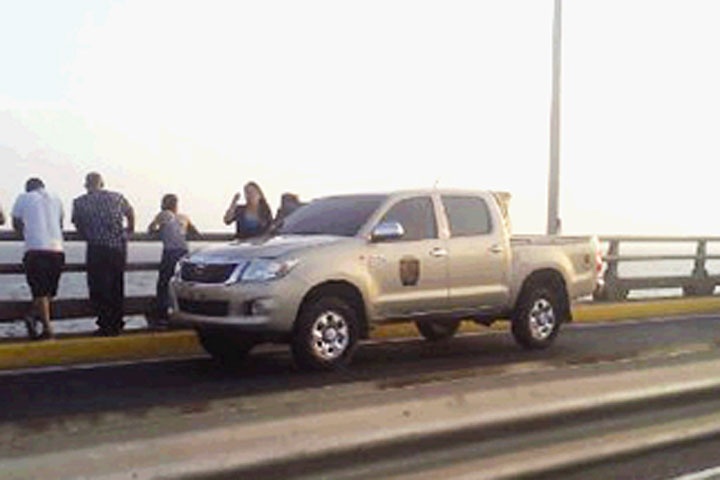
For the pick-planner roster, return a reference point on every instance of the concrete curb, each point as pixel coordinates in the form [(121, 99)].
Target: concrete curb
[(573, 454), (245, 447), (599, 312), (136, 346), (85, 350)]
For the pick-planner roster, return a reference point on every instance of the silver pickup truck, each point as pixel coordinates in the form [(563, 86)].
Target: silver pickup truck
[(343, 264)]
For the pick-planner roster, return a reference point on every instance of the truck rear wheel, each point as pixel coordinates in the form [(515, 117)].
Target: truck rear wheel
[(226, 347), (436, 330), (537, 318), (326, 333)]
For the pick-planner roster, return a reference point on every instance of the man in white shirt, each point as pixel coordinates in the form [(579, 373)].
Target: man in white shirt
[(38, 216)]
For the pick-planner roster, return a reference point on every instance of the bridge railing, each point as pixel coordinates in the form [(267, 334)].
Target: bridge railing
[(697, 282), (74, 308)]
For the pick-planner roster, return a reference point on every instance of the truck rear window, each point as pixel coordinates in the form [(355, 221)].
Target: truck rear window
[(468, 216)]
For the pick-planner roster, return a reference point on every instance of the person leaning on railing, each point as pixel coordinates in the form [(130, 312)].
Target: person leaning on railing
[(99, 219), (289, 202), (38, 215), (172, 228)]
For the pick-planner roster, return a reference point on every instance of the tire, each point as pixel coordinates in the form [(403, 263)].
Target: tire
[(325, 335), (436, 330), (226, 347), (537, 317)]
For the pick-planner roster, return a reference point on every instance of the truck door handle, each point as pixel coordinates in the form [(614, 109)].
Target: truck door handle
[(496, 249), (438, 252)]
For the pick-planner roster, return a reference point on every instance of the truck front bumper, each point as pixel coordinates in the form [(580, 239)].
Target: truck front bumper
[(269, 307)]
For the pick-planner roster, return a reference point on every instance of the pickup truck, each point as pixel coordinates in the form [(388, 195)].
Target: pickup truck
[(343, 264)]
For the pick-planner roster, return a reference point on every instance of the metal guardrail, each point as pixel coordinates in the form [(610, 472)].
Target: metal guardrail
[(73, 308), (698, 282)]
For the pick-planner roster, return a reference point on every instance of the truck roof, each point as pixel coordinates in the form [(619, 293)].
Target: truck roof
[(419, 191)]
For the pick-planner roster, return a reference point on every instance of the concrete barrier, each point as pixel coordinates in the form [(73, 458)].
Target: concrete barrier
[(136, 346), (243, 450)]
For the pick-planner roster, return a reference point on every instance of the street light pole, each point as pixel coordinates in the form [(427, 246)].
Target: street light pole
[(553, 221)]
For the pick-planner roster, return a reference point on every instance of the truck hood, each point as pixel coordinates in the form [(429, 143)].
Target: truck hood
[(271, 247)]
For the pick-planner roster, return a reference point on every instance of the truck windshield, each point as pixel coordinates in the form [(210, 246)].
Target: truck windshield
[(342, 216)]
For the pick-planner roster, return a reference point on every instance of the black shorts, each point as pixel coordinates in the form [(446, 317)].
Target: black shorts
[(42, 270)]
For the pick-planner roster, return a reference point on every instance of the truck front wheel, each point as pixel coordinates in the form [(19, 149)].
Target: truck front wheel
[(326, 333), (226, 347), (537, 318)]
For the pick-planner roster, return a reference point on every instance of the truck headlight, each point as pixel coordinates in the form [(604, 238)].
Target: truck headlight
[(263, 269)]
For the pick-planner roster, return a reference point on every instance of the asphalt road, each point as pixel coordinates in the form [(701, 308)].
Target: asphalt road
[(68, 408)]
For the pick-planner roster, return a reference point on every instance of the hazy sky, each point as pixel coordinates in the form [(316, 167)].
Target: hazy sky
[(322, 97)]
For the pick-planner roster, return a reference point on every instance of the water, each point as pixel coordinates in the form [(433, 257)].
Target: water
[(663, 268), (73, 285)]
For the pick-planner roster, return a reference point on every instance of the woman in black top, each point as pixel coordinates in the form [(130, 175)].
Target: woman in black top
[(252, 219)]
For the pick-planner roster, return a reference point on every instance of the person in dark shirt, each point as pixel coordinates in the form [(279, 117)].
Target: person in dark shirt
[(252, 219), (104, 219)]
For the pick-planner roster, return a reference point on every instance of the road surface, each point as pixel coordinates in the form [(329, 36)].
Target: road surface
[(51, 410)]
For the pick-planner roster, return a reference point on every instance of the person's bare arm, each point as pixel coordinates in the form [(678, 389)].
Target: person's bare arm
[(77, 221), (192, 231), (18, 225), (154, 226), (230, 212), (130, 215), (62, 215)]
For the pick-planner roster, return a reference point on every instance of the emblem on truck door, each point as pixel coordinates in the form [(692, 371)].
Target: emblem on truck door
[(409, 271)]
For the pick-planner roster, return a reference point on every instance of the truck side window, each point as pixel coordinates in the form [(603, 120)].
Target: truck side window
[(416, 215), (468, 216)]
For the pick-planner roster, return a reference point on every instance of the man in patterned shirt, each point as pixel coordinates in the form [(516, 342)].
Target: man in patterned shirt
[(104, 219)]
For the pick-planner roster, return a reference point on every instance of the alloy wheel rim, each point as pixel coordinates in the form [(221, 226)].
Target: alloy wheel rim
[(542, 319), (330, 335)]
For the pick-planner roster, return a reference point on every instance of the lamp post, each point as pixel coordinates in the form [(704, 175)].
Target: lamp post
[(553, 221)]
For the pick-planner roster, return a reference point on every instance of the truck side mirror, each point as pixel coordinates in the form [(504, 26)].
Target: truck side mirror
[(387, 231)]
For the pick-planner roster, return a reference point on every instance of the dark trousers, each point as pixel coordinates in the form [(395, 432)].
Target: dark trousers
[(106, 283), (167, 269)]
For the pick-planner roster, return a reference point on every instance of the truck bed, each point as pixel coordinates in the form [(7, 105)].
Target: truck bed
[(547, 239), (575, 256)]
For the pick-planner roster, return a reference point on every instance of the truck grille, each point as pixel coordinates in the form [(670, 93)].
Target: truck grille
[(211, 308), (207, 272)]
